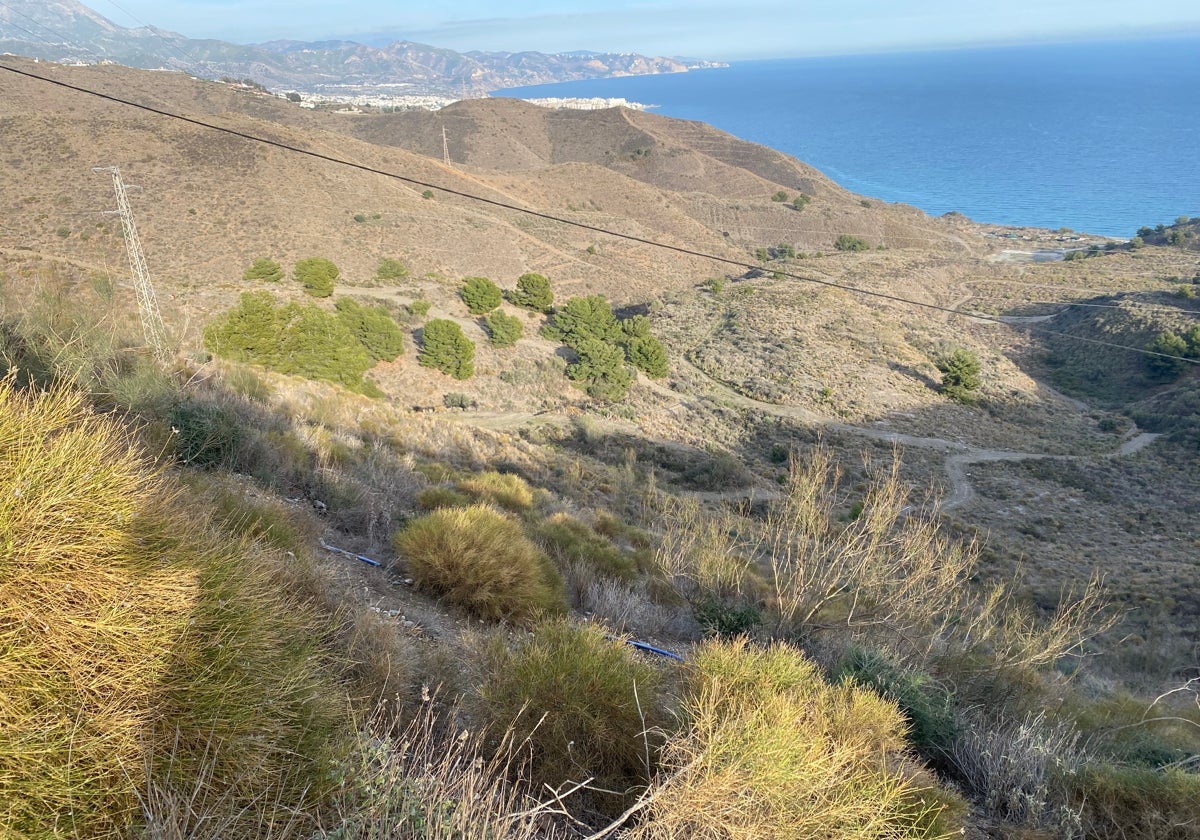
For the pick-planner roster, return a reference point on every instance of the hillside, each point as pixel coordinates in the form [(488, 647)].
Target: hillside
[(989, 588)]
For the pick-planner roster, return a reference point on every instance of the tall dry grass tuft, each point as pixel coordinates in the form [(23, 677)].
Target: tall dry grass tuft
[(434, 781), (88, 621), (135, 638), (770, 750), (481, 561), (510, 492), (580, 703)]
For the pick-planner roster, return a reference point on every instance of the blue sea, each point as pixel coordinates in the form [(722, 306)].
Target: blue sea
[(1102, 137)]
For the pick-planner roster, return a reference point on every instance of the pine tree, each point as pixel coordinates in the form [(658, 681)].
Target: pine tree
[(445, 348)]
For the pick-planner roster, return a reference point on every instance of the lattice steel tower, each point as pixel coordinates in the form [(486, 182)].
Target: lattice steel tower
[(152, 322)]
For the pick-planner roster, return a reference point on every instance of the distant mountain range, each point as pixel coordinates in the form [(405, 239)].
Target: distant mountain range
[(65, 30)]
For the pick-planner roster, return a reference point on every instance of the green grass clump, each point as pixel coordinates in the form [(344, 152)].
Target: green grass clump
[(571, 692), (927, 706), (479, 560), (1138, 802), (770, 750), (142, 650), (206, 435), (568, 541), (505, 490), (441, 496)]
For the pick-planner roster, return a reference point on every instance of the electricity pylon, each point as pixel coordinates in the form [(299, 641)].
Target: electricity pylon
[(152, 322)]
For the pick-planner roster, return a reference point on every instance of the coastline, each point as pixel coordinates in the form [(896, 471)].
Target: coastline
[(1044, 136)]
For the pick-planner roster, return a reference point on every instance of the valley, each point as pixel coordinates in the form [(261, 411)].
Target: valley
[(806, 413)]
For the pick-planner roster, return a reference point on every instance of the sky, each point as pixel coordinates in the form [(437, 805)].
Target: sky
[(729, 30)]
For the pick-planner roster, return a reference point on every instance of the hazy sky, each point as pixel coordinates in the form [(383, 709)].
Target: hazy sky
[(734, 29)]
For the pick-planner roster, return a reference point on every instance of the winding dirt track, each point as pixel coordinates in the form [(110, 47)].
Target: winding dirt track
[(958, 455)]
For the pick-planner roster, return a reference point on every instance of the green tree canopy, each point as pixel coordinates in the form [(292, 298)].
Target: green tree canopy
[(318, 345), (302, 340), (648, 355), (391, 269), (1175, 350), (480, 295), (532, 292), (601, 370), (317, 275), (250, 332), (636, 326), (960, 373), (445, 348), (373, 327), (584, 320), (504, 330), (264, 268)]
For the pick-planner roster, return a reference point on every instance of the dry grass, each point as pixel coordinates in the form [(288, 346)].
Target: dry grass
[(505, 490), (769, 750), (89, 622), (434, 781), (479, 560), (129, 632), (1021, 771), (580, 703)]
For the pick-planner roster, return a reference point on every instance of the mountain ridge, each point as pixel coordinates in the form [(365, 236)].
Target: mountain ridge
[(69, 31)]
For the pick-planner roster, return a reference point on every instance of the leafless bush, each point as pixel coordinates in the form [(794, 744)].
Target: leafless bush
[(1020, 770), (628, 608)]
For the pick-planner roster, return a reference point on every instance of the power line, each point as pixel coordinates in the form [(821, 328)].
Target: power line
[(576, 224), (188, 60), (38, 38)]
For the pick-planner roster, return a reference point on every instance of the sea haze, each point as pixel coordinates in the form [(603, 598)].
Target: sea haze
[(1100, 137)]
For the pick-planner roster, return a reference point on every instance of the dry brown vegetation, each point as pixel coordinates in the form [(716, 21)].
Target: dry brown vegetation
[(772, 488)]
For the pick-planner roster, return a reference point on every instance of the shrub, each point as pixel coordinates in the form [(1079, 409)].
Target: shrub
[(648, 355), (780, 197), (374, 328), (1020, 770), (768, 750), (960, 374), (317, 274), (1137, 802), (532, 292), (294, 339), (568, 541), (480, 295), (264, 268), (846, 242), (584, 320), (419, 308), (478, 560), (571, 693), (504, 330), (440, 496), (391, 269), (508, 491), (927, 706), (130, 633), (801, 201), (1173, 349), (445, 348), (206, 435), (432, 780), (601, 370), (456, 399)]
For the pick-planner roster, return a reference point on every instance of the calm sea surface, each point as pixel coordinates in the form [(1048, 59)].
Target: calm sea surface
[(1099, 137)]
